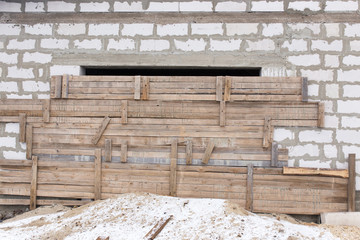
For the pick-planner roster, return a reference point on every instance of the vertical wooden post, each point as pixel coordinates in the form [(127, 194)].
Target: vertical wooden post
[(95, 139), (97, 183), (137, 87), (351, 183), (267, 132), (304, 89), (189, 152), (29, 132), (124, 110), (108, 150), (219, 88), (46, 110), (208, 151), (227, 91), (22, 127), (33, 187), (173, 165), (321, 115), (56, 85), (124, 150), (249, 189), (65, 86), (222, 113), (145, 89), (274, 155)]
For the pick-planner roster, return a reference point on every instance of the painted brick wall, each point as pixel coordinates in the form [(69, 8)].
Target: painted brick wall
[(327, 53)]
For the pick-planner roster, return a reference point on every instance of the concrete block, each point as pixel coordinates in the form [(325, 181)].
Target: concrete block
[(95, 7), (8, 86), (323, 45), (331, 121), (352, 30), (191, 45), (142, 29), (281, 134), (21, 45), (296, 45), (17, 96), (196, 6), (332, 90), (225, 45), (206, 29), (15, 72), (267, 6), (64, 69), (351, 60), (103, 29), (34, 7), (348, 136), (318, 136), (346, 150), (318, 75), (350, 122), (329, 106), (331, 61), (14, 155), (230, 6), (350, 106), (272, 29), (37, 57), (163, 7), (8, 58), (313, 90), (330, 151), (348, 76), (154, 45), (302, 150), (301, 27), (43, 96), (53, 43), (121, 44), (341, 6), (305, 60), (180, 29), (274, 71), (39, 29), (12, 127), (9, 29), (128, 6), (60, 6), (260, 45), (314, 163), (355, 45), (36, 86), (71, 29), (332, 29), (341, 218), (302, 5), (8, 142), (233, 29), (10, 6), (88, 44), (351, 91)]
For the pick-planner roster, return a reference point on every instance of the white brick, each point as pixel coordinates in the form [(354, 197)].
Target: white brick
[(318, 75), (95, 7), (350, 122), (128, 6), (274, 71), (349, 150), (34, 7), (355, 45), (16, 96), (21, 45), (53, 43), (281, 134), (33, 86), (348, 76), (60, 6), (314, 164), (351, 91), (341, 6), (332, 29), (43, 96), (88, 44), (103, 29), (260, 45), (332, 61), (331, 122), (37, 57), (318, 136), (191, 45), (225, 45), (12, 128), (10, 6), (71, 29), (296, 45), (142, 29), (302, 150), (342, 165), (332, 90), (272, 29), (154, 45), (64, 69), (121, 44), (302, 5), (351, 60), (10, 29), (196, 6), (14, 155), (8, 58), (305, 60), (180, 29), (313, 90), (352, 30), (329, 106), (207, 28), (348, 106), (14, 72), (348, 136), (313, 27), (39, 29), (330, 151), (265, 6), (322, 45), (230, 6), (233, 29), (8, 142), (163, 7), (9, 86)]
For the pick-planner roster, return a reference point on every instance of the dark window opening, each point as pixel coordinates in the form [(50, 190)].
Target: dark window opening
[(170, 71)]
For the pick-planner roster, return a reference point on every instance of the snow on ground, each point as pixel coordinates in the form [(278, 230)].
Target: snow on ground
[(132, 216)]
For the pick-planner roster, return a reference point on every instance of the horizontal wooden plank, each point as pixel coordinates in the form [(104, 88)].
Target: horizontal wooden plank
[(344, 173)]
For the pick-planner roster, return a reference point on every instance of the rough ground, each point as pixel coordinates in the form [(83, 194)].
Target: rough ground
[(131, 216)]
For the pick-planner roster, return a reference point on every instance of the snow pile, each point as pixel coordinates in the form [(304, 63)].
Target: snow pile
[(132, 216)]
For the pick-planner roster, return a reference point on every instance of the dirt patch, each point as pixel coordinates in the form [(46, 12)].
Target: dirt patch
[(343, 232), (232, 207)]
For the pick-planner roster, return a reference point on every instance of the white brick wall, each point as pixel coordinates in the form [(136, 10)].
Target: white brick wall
[(196, 6), (53, 43), (318, 136), (9, 86), (121, 44), (340, 6), (8, 58), (128, 6), (313, 90), (103, 29), (10, 6), (15, 72), (314, 164), (163, 7), (355, 45), (281, 134), (350, 122), (225, 45), (94, 7), (14, 155), (39, 29), (350, 106), (33, 86), (260, 45), (331, 121), (12, 127), (348, 76), (332, 29), (8, 142), (9, 29), (206, 28), (302, 5), (88, 44), (141, 29), (233, 29), (332, 90), (273, 29), (332, 61), (313, 27), (34, 7), (352, 30), (37, 57), (322, 45), (311, 150), (267, 6), (180, 29), (318, 75), (230, 6), (352, 91), (305, 60), (64, 69), (61, 6), (296, 45), (154, 45), (348, 136), (330, 151), (191, 45), (71, 29), (21, 44), (351, 60)]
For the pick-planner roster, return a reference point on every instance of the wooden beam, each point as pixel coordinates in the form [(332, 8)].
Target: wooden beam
[(351, 183), (29, 140), (65, 86), (46, 110), (208, 152), (124, 151), (227, 91), (304, 89), (321, 115), (57, 81), (33, 186), (344, 173), (137, 87), (249, 189), (274, 155), (124, 110), (101, 130), (108, 150), (159, 226), (219, 88), (22, 127), (222, 113), (97, 183), (189, 152), (267, 132), (173, 165), (145, 89)]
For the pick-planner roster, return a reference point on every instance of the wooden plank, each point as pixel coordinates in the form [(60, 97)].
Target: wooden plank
[(46, 110), (222, 113), (227, 91), (344, 173), (101, 130), (22, 127), (208, 152), (137, 87), (145, 88), (173, 166), (321, 116), (351, 183), (65, 86), (274, 155), (124, 111), (34, 176), (108, 150), (267, 132), (124, 151), (57, 87), (189, 152), (29, 141), (97, 179), (219, 88), (159, 226), (249, 189), (304, 89)]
